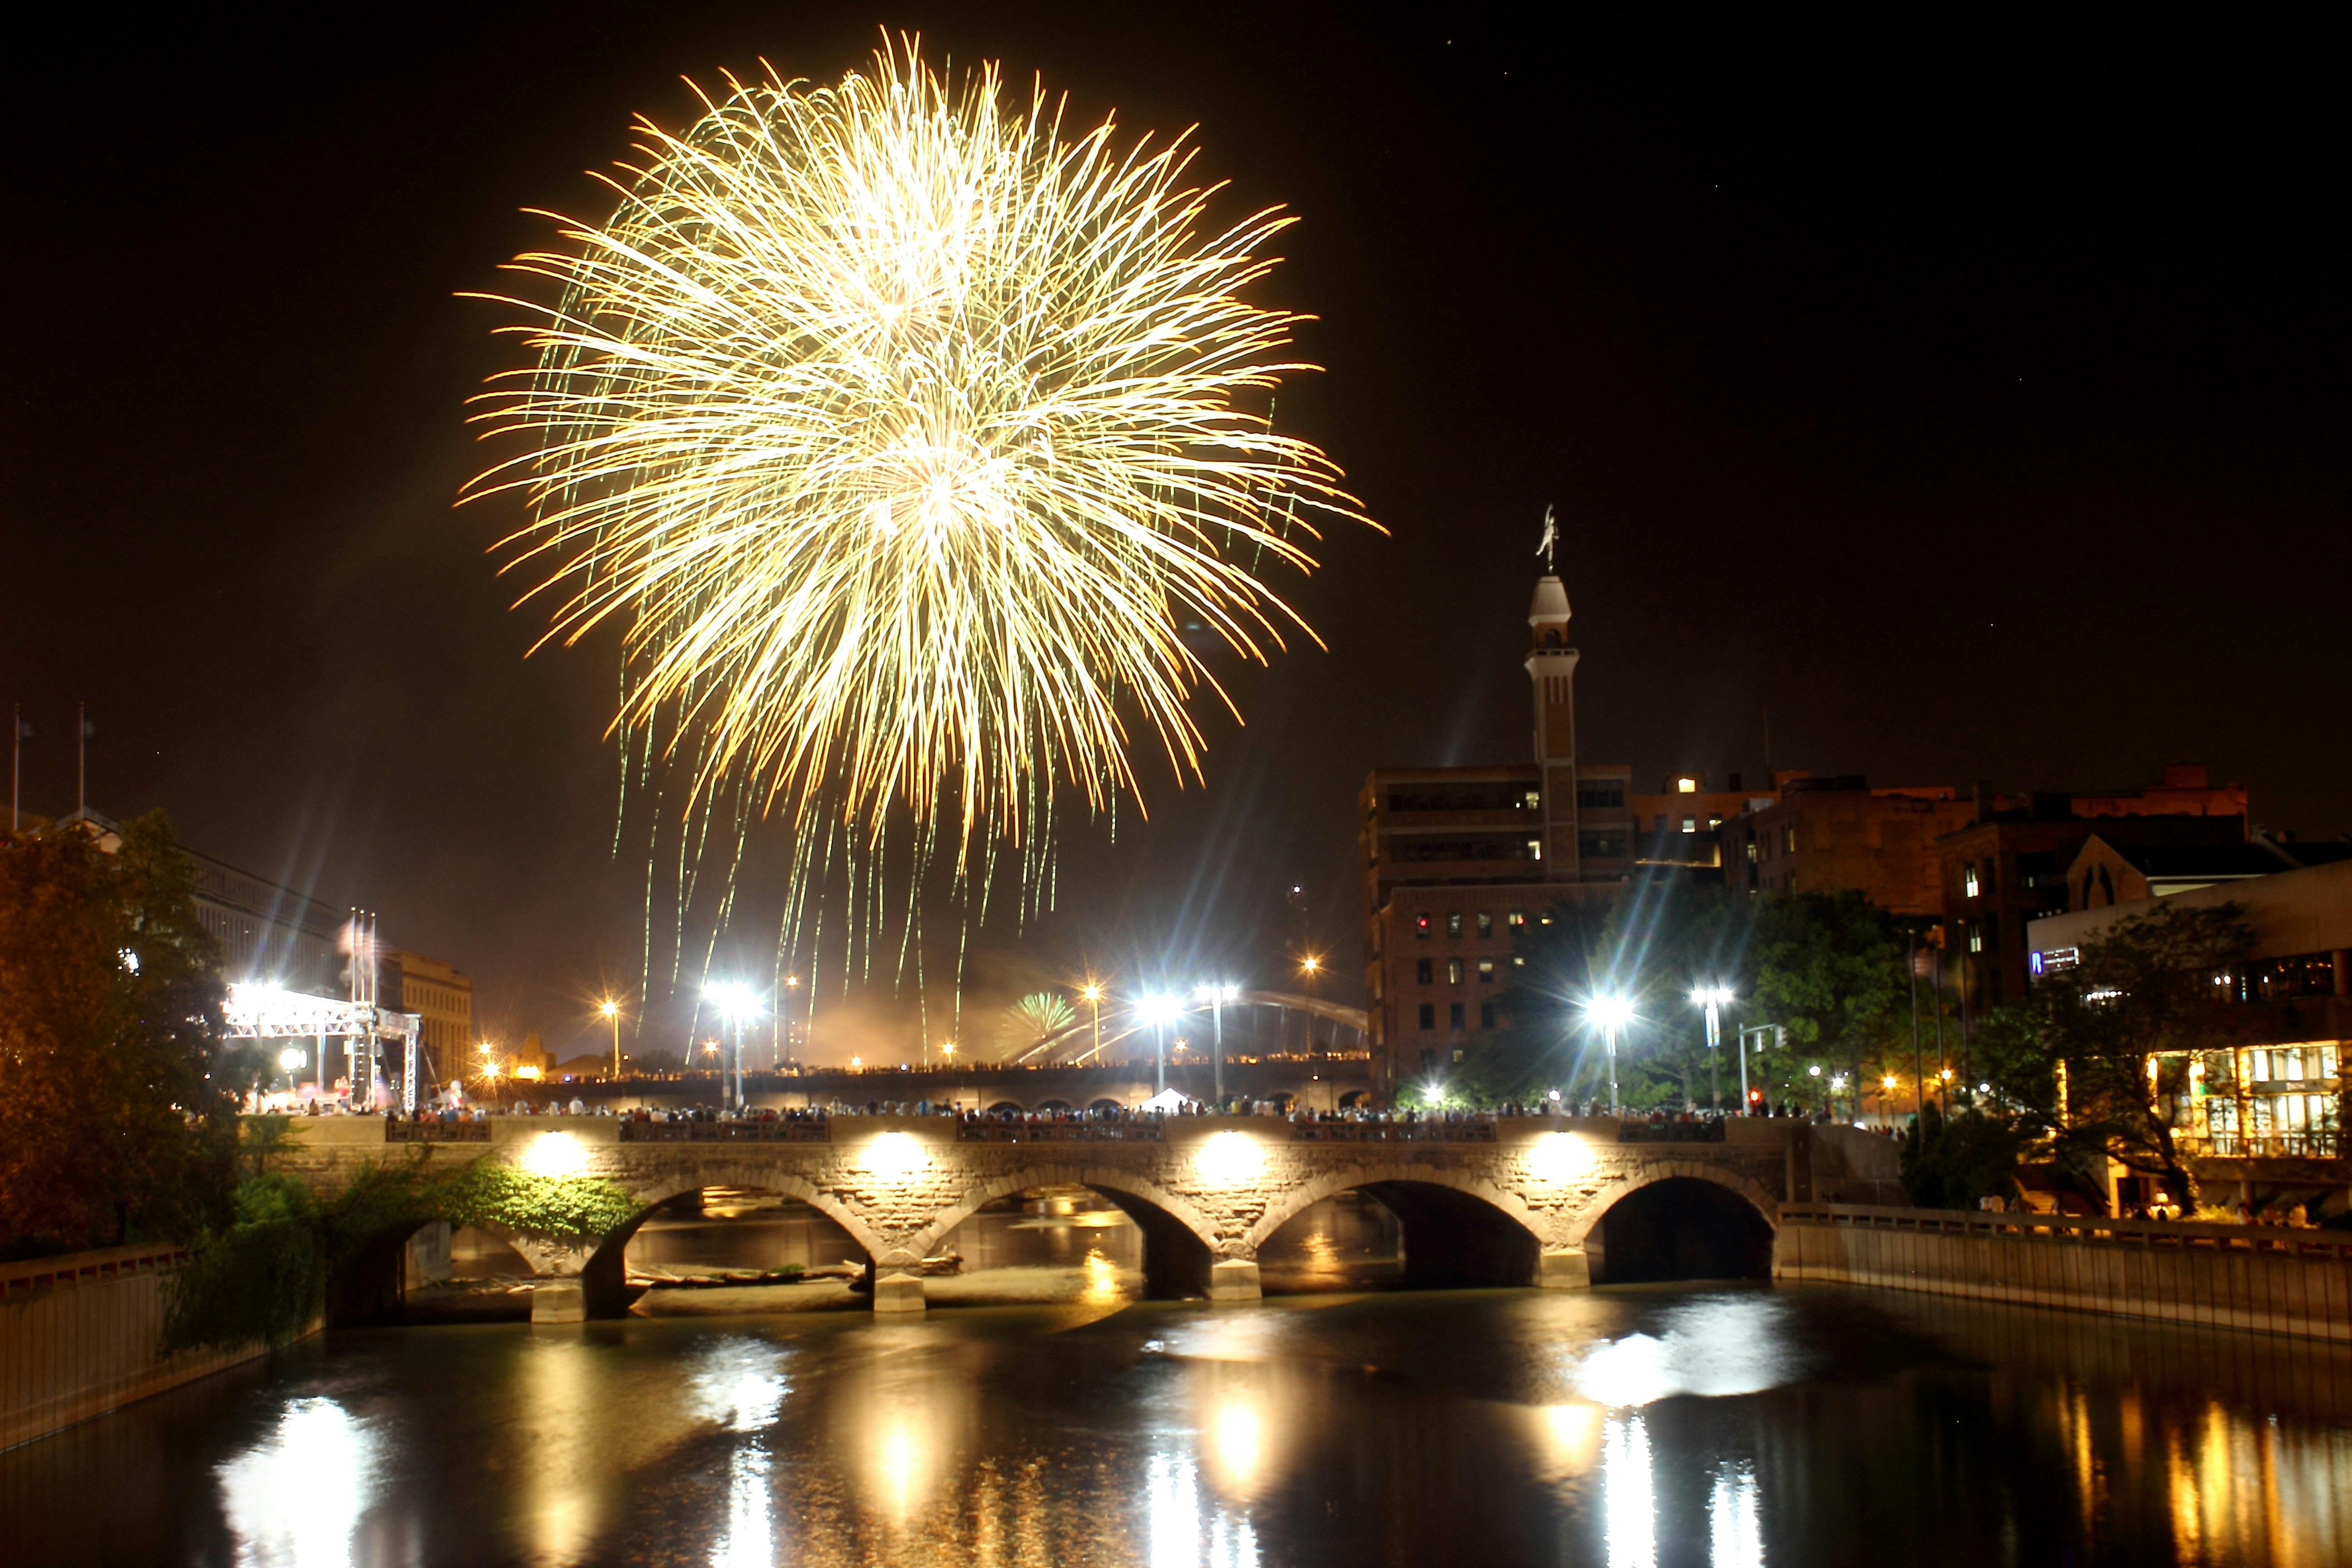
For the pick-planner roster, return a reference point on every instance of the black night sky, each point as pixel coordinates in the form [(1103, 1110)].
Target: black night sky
[(1972, 400)]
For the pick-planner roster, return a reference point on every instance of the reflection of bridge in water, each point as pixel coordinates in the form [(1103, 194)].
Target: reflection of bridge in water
[(1516, 1201)]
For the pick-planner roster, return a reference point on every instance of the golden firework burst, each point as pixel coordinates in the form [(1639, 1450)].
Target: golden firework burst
[(901, 431)]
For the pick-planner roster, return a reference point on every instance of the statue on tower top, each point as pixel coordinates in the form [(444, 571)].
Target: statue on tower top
[(1549, 544)]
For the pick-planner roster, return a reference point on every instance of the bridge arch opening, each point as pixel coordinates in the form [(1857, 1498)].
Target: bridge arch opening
[(712, 1232), (1680, 1227), (743, 1233), (1370, 1231)]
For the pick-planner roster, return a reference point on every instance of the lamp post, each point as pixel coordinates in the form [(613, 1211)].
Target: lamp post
[(791, 983), (1158, 1010), (1216, 996), (1093, 992), (1712, 998), (1612, 1013), (612, 1011), (734, 1004)]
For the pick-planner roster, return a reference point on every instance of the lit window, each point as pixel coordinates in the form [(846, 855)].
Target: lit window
[(1485, 972), (1713, 823), (1976, 937), (1454, 971), (1485, 924), (1453, 924), (1686, 786), (1789, 839), (1516, 920), (1517, 963), (1968, 880), (1751, 852), (1535, 849), (1690, 824), (1535, 800)]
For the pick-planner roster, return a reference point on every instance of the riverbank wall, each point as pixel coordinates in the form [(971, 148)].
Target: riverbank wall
[(2257, 1278), (78, 1336)]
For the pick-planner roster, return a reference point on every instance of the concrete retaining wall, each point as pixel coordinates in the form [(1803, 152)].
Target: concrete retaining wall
[(2271, 1280), (78, 1337)]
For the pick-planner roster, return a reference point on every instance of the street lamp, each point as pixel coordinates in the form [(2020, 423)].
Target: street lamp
[(1216, 996), (1093, 992), (1612, 1013), (735, 1004), (612, 1011), (1712, 998), (1155, 1012)]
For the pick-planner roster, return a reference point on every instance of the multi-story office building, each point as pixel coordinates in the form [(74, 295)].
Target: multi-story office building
[(1455, 859), (1680, 824), (1827, 835), (442, 997)]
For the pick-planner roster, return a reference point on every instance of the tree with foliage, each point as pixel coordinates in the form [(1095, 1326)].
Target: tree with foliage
[(1668, 938), (115, 1125), (2099, 1055), (1829, 969), (263, 1277), (1955, 1162)]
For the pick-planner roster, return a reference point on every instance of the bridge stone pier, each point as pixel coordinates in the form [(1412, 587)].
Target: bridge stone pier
[(1513, 1202)]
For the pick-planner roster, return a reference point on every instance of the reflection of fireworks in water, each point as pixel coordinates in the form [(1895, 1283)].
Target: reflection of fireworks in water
[(900, 435)]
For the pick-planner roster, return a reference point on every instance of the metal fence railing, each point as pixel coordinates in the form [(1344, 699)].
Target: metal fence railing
[(779, 1132), (1009, 1131), (2264, 1279), (2309, 1145), (1392, 1133), (436, 1132)]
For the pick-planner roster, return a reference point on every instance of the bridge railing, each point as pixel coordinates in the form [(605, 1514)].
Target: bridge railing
[(992, 1132), (1391, 1133), (2192, 1235), (780, 1132), (1671, 1132), (436, 1132)]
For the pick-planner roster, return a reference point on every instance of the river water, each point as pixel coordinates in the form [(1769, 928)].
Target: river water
[(1638, 1427)]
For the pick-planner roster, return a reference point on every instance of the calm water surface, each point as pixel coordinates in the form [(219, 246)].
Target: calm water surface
[(1629, 1426)]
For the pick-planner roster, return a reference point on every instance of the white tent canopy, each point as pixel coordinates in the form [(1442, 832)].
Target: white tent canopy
[(1167, 1099)]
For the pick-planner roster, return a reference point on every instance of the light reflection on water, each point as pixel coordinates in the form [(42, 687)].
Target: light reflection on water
[(1727, 1427), (1711, 1346), (1629, 1493), (293, 1499)]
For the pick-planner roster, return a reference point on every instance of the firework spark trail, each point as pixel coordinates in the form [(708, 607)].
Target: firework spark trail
[(899, 432)]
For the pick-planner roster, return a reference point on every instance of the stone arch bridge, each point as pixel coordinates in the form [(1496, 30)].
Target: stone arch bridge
[(1513, 1202)]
